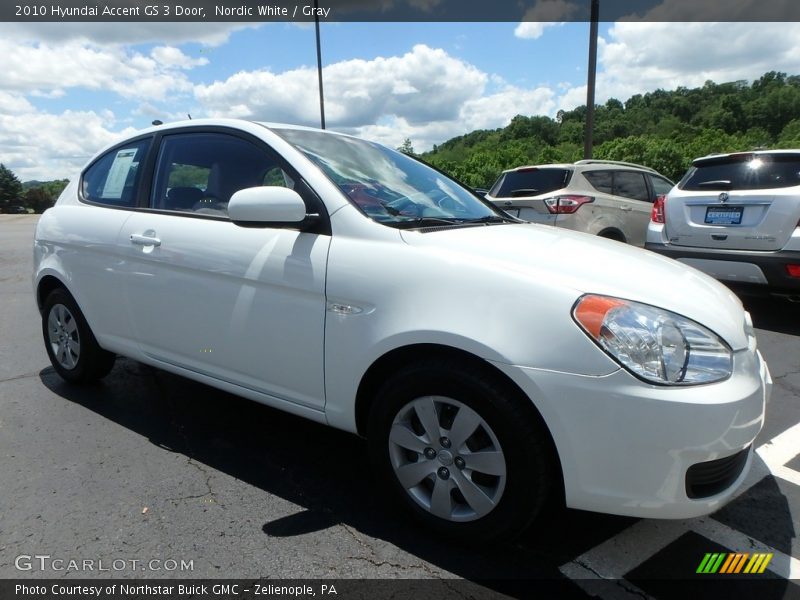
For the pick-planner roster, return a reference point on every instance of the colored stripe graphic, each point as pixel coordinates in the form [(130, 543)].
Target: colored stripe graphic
[(726, 566), (734, 562), (740, 564)]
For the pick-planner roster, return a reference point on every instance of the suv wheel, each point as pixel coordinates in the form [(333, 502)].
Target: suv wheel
[(460, 450), (71, 346)]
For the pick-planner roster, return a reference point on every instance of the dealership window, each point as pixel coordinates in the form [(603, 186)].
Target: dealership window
[(113, 179)]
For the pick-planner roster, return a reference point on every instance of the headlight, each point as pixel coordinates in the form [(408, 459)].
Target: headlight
[(655, 344)]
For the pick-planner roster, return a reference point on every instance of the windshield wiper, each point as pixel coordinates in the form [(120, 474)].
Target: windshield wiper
[(720, 184), (428, 222), (434, 221), (491, 219)]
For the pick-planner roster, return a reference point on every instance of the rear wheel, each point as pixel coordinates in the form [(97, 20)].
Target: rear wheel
[(461, 450), (612, 235), (71, 345)]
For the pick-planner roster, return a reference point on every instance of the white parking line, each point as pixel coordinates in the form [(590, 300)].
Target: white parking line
[(630, 548)]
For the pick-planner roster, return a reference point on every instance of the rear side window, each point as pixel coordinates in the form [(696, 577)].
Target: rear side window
[(661, 186), (631, 185), (743, 172), (530, 182), (602, 181), (113, 179)]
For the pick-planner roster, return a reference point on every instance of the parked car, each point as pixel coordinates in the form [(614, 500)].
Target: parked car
[(737, 218), (493, 365), (607, 198), (16, 210)]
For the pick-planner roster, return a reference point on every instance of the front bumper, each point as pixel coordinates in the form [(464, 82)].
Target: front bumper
[(626, 446)]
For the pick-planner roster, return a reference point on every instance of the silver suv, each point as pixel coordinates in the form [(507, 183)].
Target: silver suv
[(607, 198), (737, 218)]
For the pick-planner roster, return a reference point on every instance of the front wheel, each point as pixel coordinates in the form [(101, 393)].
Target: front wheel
[(70, 343), (461, 450)]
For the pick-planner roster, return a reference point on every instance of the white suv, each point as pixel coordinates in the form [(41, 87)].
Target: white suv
[(491, 364), (607, 198), (736, 217)]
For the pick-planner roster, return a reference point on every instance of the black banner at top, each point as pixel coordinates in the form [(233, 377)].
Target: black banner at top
[(397, 10)]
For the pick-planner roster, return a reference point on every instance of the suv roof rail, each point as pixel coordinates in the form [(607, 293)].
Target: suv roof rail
[(594, 161)]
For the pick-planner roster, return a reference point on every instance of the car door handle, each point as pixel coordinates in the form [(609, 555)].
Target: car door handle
[(626, 208), (144, 240)]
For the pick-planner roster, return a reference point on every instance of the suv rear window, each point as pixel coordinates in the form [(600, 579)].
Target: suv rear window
[(530, 182), (743, 172)]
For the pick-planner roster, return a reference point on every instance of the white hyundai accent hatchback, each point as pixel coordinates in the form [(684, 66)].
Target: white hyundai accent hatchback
[(492, 364)]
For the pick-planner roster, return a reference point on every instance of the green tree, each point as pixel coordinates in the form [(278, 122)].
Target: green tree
[(406, 147), (38, 199), (10, 187), (663, 129)]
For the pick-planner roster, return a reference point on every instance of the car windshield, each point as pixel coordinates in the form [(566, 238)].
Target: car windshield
[(388, 186), (530, 181), (743, 172)]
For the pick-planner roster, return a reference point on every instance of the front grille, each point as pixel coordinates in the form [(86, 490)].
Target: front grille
[(709, 478)]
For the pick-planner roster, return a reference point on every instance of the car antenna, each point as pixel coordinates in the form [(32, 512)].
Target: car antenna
[(156, 123), (190, 116)]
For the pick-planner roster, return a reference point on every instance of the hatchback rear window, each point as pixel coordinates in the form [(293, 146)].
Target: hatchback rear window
[(530, 182), (743, 172)]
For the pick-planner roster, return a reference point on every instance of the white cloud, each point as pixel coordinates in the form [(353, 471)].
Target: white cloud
[(486, 112), (576, 96), (169, 56), (48, 69), (640, 57), (497, 110), (423, 85), (37, 145), (545, 13), (426, 95), (12, 104)]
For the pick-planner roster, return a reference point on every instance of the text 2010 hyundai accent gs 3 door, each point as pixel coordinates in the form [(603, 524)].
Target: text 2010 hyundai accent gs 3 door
[(492, 364)]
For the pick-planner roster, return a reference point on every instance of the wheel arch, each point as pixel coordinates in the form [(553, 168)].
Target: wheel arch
[(612, 233), (46, 285), (397, 358)]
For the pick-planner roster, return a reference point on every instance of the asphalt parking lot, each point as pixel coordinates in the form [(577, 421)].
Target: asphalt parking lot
[(147, 466)]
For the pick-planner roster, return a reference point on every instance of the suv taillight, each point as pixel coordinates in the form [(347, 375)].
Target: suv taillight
[(657, 215), (566, 205)]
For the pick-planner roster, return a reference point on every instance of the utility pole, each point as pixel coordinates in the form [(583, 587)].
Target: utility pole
[(319, 68), (594, 18)]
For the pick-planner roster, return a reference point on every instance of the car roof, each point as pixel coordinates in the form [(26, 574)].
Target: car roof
[(588, 165), (226, 122), (724, 155)]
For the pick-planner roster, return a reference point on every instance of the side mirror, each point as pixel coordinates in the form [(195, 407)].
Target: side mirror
[(266, 205)]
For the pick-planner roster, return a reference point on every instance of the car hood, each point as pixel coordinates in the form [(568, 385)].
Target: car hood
[(588, 264)]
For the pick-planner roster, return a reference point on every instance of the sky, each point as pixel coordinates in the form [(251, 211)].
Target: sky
[(68, 89)]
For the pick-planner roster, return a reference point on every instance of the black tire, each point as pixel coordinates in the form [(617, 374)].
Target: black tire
[(530, 462), (613, 235), (91, 363)]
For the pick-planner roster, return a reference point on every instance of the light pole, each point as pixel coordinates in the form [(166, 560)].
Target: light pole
[(319, 67), (594, 18)]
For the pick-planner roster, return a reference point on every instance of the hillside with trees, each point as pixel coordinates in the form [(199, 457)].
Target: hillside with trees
[(36, 196), (663, 130)]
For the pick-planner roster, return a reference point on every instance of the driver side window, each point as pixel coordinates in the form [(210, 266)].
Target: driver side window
[(199, 172)]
